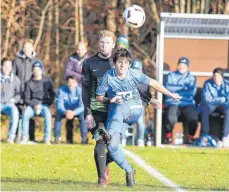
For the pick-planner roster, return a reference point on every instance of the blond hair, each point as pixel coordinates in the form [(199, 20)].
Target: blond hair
[(28, 41), (106, 33)]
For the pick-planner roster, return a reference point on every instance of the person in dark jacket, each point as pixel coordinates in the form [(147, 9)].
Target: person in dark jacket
[(22, 67), (39, 95), (184, 84), (215, 96), (69, 105), (75, 62), (95, 112), (10, 96)]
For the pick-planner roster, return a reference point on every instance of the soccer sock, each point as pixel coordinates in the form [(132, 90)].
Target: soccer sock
[(100, 157)]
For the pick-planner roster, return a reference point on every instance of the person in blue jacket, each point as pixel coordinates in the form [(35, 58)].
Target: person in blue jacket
[(125, 104), (215, 95), (69, 105), (184, 84)]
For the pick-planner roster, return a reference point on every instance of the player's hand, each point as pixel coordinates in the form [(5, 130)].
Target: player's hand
[(90, 121), (175, 97), (117, 99), (69, 114), (155, 103)]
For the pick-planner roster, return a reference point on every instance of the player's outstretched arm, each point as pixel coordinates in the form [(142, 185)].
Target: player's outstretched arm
[(156, 85)]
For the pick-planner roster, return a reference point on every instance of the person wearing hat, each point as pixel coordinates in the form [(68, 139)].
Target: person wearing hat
[(39, 95), (215, 95), (184, 84), (22, 67), (122, 42), (69, 105)]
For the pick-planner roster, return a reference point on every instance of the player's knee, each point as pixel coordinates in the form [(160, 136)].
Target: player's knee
[(112, 147), (100, 148)]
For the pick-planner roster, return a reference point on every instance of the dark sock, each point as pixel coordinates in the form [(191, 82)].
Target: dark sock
[(100, 157)]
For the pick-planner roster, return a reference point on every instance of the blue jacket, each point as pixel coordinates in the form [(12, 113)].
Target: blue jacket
[(183, 84), (69, 100), (213, 94)]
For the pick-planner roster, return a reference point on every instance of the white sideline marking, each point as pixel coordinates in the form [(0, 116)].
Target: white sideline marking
[(153, 172)]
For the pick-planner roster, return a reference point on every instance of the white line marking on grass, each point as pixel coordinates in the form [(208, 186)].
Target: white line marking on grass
[(153, 172)]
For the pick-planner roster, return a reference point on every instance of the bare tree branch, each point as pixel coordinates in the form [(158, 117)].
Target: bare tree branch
[(42, 23), (144, 53)]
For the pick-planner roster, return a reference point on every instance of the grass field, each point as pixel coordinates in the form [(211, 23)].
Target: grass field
[(71, 168)]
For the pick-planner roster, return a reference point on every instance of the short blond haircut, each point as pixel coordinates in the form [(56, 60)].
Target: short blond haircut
[(28, 41), (106, 33)]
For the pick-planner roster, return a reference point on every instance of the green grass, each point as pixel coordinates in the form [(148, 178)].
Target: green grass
[(72, 168), (192, 168)]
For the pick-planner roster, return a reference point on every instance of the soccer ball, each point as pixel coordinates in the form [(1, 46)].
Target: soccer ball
[(134, 16)]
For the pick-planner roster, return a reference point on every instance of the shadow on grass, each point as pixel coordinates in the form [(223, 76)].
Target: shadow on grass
[(92, 185), (84, 185)]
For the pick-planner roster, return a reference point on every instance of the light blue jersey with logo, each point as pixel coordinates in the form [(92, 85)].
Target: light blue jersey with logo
[(126, 88)]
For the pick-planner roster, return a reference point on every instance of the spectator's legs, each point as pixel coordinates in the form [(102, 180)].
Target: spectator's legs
[(32, 130), (83, 129), (226, 122), (26, 116), (69, 128), (206, 111), (12, 111), (58, 127), (141, 129), (172, 117), (45, 112), (192, 117), (225, 139)]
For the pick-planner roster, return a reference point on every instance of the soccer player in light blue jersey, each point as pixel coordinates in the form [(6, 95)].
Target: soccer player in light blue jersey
[(125, 105)]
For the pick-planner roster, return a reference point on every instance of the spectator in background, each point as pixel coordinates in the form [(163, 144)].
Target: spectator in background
[(69, 105), (184, 84), (75, 62), (39, 95), (122, 42), (215, 95), (145, 94), (22, 67), (10, 95)]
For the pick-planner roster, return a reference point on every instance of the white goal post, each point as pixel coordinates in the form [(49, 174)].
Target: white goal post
[(185, 26)]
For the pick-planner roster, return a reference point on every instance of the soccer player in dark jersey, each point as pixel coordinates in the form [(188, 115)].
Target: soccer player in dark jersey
[(96, 112), (125, 105)]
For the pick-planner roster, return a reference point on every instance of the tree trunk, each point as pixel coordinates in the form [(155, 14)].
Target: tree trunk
[(76, 23), (81, 20), (6, 44), (226, 10), (155, 15), (42, 23), (176, 6), (202, 8), (182, 6), (206, 10), (57, 41), (111, 15), (188, 6), (48, 35), (194, 6), (125, 28)]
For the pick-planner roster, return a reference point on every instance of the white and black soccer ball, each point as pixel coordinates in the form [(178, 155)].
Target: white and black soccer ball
[(134, 16)]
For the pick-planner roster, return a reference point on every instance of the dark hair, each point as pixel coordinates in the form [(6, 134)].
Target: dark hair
[(123, 52), (71, 77), (4, 60), (218, 70)]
